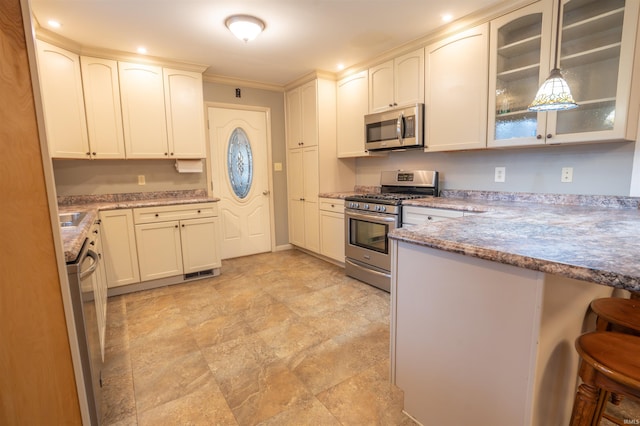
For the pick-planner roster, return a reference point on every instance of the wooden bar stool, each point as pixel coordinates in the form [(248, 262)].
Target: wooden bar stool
[(610, 362), (621, 315), (617, 314)]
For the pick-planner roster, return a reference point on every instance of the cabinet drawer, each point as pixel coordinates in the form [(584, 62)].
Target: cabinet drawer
[(176, 212), (332, 205), (412, 215)]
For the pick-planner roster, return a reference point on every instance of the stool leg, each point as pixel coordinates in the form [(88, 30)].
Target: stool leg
[(603, 397), (584, 406)]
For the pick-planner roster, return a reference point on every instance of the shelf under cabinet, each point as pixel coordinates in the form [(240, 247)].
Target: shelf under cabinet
[(595, 24), (521, 47), (590, 56), (519, 73)]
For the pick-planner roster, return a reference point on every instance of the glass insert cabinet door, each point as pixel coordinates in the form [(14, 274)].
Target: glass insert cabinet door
[(239, 163), (597, 46)]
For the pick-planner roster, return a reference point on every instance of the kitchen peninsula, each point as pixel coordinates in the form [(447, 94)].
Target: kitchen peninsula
[(486, 307)]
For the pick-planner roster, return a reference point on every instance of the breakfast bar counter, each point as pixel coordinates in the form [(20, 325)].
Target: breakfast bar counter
[(486, 307)]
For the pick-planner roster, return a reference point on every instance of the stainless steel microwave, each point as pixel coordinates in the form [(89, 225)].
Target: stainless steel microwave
[(399, 128)]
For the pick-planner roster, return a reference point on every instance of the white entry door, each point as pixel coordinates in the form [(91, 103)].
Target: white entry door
[(239, 170)]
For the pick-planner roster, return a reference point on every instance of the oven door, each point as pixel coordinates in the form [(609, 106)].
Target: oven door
[(366, 238)]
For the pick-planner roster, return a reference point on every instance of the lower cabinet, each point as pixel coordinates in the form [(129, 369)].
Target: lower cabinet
[(119, 244), (332, 228), (176, 240)]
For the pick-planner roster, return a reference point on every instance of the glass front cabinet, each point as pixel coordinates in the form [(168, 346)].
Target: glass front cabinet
[(597, 45)]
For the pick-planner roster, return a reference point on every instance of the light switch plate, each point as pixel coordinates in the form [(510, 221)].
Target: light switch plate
[(141, 180), (567, 174), (277, 167), (500, 174)]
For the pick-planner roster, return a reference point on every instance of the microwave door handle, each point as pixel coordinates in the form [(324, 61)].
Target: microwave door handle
[(400, 128)]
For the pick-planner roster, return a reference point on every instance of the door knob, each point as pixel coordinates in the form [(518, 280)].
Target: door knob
[(265, 192)]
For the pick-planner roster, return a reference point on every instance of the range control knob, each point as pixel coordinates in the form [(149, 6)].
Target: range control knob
[(366, 206), (383, 208)]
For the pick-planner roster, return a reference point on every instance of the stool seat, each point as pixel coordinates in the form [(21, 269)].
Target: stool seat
[(609, 364), (616, 311)]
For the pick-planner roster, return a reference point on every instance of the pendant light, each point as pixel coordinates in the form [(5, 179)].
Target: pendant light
[(245, 27), (554, 94)]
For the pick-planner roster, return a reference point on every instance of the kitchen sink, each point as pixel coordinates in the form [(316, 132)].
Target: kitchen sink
[(71, 219)]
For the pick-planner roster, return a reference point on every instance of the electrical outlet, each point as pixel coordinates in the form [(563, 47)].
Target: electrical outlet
[(277, 167), (141, 180), (501, 174), (567, 174)]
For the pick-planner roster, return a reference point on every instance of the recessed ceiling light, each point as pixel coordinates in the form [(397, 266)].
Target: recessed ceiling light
[(340, 67), (447, 17), (54, 24), (142, 50)]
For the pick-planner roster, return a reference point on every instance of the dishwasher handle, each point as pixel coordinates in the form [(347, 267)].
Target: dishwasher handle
[(93, 255)]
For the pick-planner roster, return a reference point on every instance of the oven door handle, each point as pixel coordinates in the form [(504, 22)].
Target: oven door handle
[(93, 255), (370, 217)]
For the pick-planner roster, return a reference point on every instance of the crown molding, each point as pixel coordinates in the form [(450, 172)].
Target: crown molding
[(467, 22), (232, 81), (313, 75), (116, 55)]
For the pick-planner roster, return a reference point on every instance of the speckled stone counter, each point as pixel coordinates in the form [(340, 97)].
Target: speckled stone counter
[(73, 236), (590, 238)]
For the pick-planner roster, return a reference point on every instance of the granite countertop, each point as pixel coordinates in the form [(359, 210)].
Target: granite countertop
[(597, 239), (74, 236)]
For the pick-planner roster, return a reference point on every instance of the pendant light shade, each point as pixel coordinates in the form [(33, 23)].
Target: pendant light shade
[(245, 27), (553, 95)]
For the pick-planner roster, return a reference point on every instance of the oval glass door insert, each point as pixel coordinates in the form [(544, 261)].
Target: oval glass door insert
[(240, 163)]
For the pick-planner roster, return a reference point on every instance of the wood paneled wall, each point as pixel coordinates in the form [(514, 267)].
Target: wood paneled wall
[(37, 384)]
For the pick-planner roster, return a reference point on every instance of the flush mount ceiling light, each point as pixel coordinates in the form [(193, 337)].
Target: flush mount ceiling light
[(245, 27), (554, 94)]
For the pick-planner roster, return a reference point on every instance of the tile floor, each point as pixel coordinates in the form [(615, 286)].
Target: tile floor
[(277, 339)]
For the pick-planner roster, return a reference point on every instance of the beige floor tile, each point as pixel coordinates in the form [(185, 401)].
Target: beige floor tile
[(157, 385), (252, 346), (205, 406), (118, 398), (367, 399), (309, 412)]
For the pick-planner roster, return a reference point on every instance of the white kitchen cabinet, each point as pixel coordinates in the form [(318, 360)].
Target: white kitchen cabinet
[(332, 228), (185, 113), (315, 169), (303, 198), (352, 105), (416, 215), (398, 82), (597, 54), (119, 243), (456, 85), (302, 120), (98, 282), (101, 87), (200, 244), (63, 102), (143, 110), (159, 250), (176, 240)]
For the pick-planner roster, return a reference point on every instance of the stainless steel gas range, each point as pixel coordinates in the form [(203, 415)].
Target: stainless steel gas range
[(370, 217)]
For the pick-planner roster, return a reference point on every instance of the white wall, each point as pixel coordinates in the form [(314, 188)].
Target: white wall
[(602, 169)]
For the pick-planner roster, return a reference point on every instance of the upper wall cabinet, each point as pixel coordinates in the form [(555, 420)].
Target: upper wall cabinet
[(302, 116), (185, 113), (596, 58), (143, 112), (102, 102), (352, 105), (397, 83), (456, 76), (62, 99)]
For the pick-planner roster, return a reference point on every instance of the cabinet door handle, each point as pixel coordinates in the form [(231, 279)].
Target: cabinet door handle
[(538, 136), (183, 225), (157, 215), (166, 153), (265, 192), (177, 226), (198, 212), (549, 136)]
